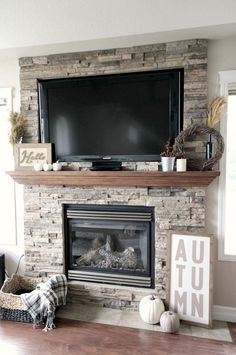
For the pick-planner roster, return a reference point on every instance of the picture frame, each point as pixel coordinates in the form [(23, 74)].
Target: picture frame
[(27, 154), (190, 269)]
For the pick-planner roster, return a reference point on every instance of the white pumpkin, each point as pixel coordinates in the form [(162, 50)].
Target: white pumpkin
[(150, 309), (56, 166), (47, 167), (169, 322)]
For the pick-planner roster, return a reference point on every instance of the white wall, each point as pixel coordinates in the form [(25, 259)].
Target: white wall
[(9, 77), (49, 26), (79, 20), (221, 56)]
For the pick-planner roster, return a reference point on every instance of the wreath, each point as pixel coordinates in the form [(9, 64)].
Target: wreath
[(199, 164)]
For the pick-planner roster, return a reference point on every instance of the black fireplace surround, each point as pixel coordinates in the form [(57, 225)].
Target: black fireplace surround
[(110, 244)]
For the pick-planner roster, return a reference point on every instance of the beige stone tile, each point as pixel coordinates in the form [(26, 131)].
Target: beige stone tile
[(220, 331), (132, 319)]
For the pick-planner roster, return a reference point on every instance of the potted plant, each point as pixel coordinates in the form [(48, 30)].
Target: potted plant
[(168, 156)]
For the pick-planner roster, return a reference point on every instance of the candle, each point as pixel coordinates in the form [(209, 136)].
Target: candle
[(181, 164)]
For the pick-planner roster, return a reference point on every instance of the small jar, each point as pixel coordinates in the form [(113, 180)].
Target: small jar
[(181, 164)]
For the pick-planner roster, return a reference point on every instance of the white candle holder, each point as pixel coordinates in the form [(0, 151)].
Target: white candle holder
[(181, 164)]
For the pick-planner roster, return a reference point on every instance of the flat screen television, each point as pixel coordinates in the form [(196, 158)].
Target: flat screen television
[(111, 118)]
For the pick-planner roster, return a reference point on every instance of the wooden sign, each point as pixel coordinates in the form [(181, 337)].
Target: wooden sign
[(27, 154), (190, 277)]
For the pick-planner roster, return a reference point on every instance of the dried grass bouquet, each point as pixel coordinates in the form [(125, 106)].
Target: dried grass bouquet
[(18, 127), (214, 110)]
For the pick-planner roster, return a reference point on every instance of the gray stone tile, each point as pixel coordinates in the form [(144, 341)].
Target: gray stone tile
[(132, 319), (220, 331)]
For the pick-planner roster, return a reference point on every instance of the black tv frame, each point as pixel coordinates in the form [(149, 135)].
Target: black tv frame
[(111, 162)]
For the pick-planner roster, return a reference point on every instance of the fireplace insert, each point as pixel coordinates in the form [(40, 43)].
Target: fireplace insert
[(110, 244)]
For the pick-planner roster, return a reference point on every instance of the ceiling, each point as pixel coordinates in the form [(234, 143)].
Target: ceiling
[(32, 27)]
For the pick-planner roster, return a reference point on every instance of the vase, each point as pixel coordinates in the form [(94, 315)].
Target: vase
[(167, 163)]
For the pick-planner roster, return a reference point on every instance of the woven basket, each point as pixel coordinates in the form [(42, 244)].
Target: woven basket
[(11, 305)]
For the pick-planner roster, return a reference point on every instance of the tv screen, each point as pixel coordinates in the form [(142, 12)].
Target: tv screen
[(119, 117)]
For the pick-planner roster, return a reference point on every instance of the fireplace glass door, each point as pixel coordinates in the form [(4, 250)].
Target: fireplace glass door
[(110, 244)]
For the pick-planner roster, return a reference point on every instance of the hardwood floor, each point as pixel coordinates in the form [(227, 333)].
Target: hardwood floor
[(83, 338)]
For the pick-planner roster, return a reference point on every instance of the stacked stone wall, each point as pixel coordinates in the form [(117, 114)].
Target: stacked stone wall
[(177, 209)]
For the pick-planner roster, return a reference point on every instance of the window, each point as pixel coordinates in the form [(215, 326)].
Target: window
[(227, 186), (7, 187)]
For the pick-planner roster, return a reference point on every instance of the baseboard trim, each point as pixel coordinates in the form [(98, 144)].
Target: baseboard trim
[(227, 314)]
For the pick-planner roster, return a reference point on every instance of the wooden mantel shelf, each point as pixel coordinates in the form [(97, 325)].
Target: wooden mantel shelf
[(115, 178)]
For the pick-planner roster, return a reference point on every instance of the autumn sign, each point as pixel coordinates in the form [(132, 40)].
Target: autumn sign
[(190, 277)]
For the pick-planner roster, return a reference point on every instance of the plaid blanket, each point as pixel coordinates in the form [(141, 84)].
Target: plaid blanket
[(41, 303)]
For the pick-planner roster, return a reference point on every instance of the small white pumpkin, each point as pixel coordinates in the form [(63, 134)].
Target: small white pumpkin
[(169, 322), (56, 166), (38, 166), (47, 167), (150, 309)]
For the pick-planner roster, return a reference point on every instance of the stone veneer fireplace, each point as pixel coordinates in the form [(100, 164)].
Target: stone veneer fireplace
[(174, 208)]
